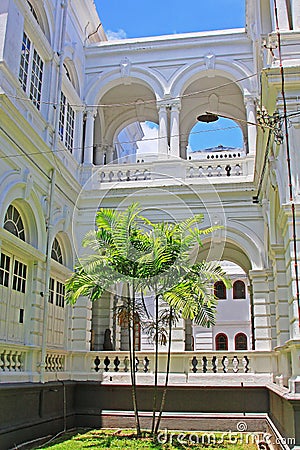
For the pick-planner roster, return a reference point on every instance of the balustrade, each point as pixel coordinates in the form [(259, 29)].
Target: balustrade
[(198, 363), (213, 166), (54, 362), (11, 361)]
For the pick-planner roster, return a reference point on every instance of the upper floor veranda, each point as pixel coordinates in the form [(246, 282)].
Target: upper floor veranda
[(77, 92)]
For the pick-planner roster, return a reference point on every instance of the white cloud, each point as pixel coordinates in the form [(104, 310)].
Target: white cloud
[(149, 143), (116, 35)]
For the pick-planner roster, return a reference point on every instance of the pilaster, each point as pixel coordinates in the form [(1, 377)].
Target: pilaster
[(261, 309)]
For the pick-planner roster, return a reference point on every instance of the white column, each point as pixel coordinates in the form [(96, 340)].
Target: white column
[(295, 4), (163, 130), (89, 136), (251, 129), (109, 154), (174, 127), (78, 137)]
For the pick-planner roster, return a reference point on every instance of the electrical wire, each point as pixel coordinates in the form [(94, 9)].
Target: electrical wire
[(288, 159), (64, 150), (140, 102)]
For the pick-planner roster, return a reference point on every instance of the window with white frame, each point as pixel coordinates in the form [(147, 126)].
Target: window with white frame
[(13, 273), (56, 292), (66, 123), (31, 71)]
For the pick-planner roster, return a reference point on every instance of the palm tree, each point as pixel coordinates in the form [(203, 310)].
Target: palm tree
[(184, 286), (132, 250), (117, 243)]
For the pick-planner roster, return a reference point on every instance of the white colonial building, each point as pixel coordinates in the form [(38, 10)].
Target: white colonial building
[(73, 107)]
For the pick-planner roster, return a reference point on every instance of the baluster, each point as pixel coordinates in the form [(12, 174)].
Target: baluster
[(46, 363), (128, 175), (214, 363), (106, 363), (136, 364), (137, 175), (200, 171), (228, 170), (120, 175), (52, 362), (219, 171), (126, 363), (191, 172), (6, 361), (238, 170), (146, 364), (194, 364), (111, 175), (204, 365), (235, 364), (246, 364), (18, 363), (209, 171), (12, 358), (146, 174), (2, 362), (102, 176), (225, 363), (97, 364), (116, 364)]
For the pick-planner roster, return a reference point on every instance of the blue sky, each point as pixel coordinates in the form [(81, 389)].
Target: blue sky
[(137, 18)]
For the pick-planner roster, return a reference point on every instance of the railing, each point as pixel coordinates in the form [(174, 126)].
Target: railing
[(17, 365), (11, 360), (188, 362), (221, 169), (54, 362)]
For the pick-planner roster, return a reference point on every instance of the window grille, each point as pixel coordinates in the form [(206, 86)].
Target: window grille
[(239, 290), (56, 252), (4, 269), (31, 71), (66, 123), (19, 276), (13, 222)]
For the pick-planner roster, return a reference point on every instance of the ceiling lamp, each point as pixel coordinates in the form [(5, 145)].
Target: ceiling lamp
[(208, 117)]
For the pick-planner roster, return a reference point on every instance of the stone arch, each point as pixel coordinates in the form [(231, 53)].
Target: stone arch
[(43, 16), (218, 91), (98, 87), (233, 72), (66, 248), (240, 246), (137, 104), (71, 73)]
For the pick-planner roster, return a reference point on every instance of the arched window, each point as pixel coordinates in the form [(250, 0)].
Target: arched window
[(33, 12), (220, 290), (240, 341), (13, 222), (56, 252), (239, 290), (221, 342)]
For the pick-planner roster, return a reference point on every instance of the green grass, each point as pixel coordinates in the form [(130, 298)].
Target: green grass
[(126, 440)]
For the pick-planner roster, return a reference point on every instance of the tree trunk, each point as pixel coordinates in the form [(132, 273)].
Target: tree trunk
[(131, 311), (163, 399), (155, 365)]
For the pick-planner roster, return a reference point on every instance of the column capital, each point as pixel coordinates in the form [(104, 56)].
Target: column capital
[(91, 111), (175, 105), (249, 99)]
